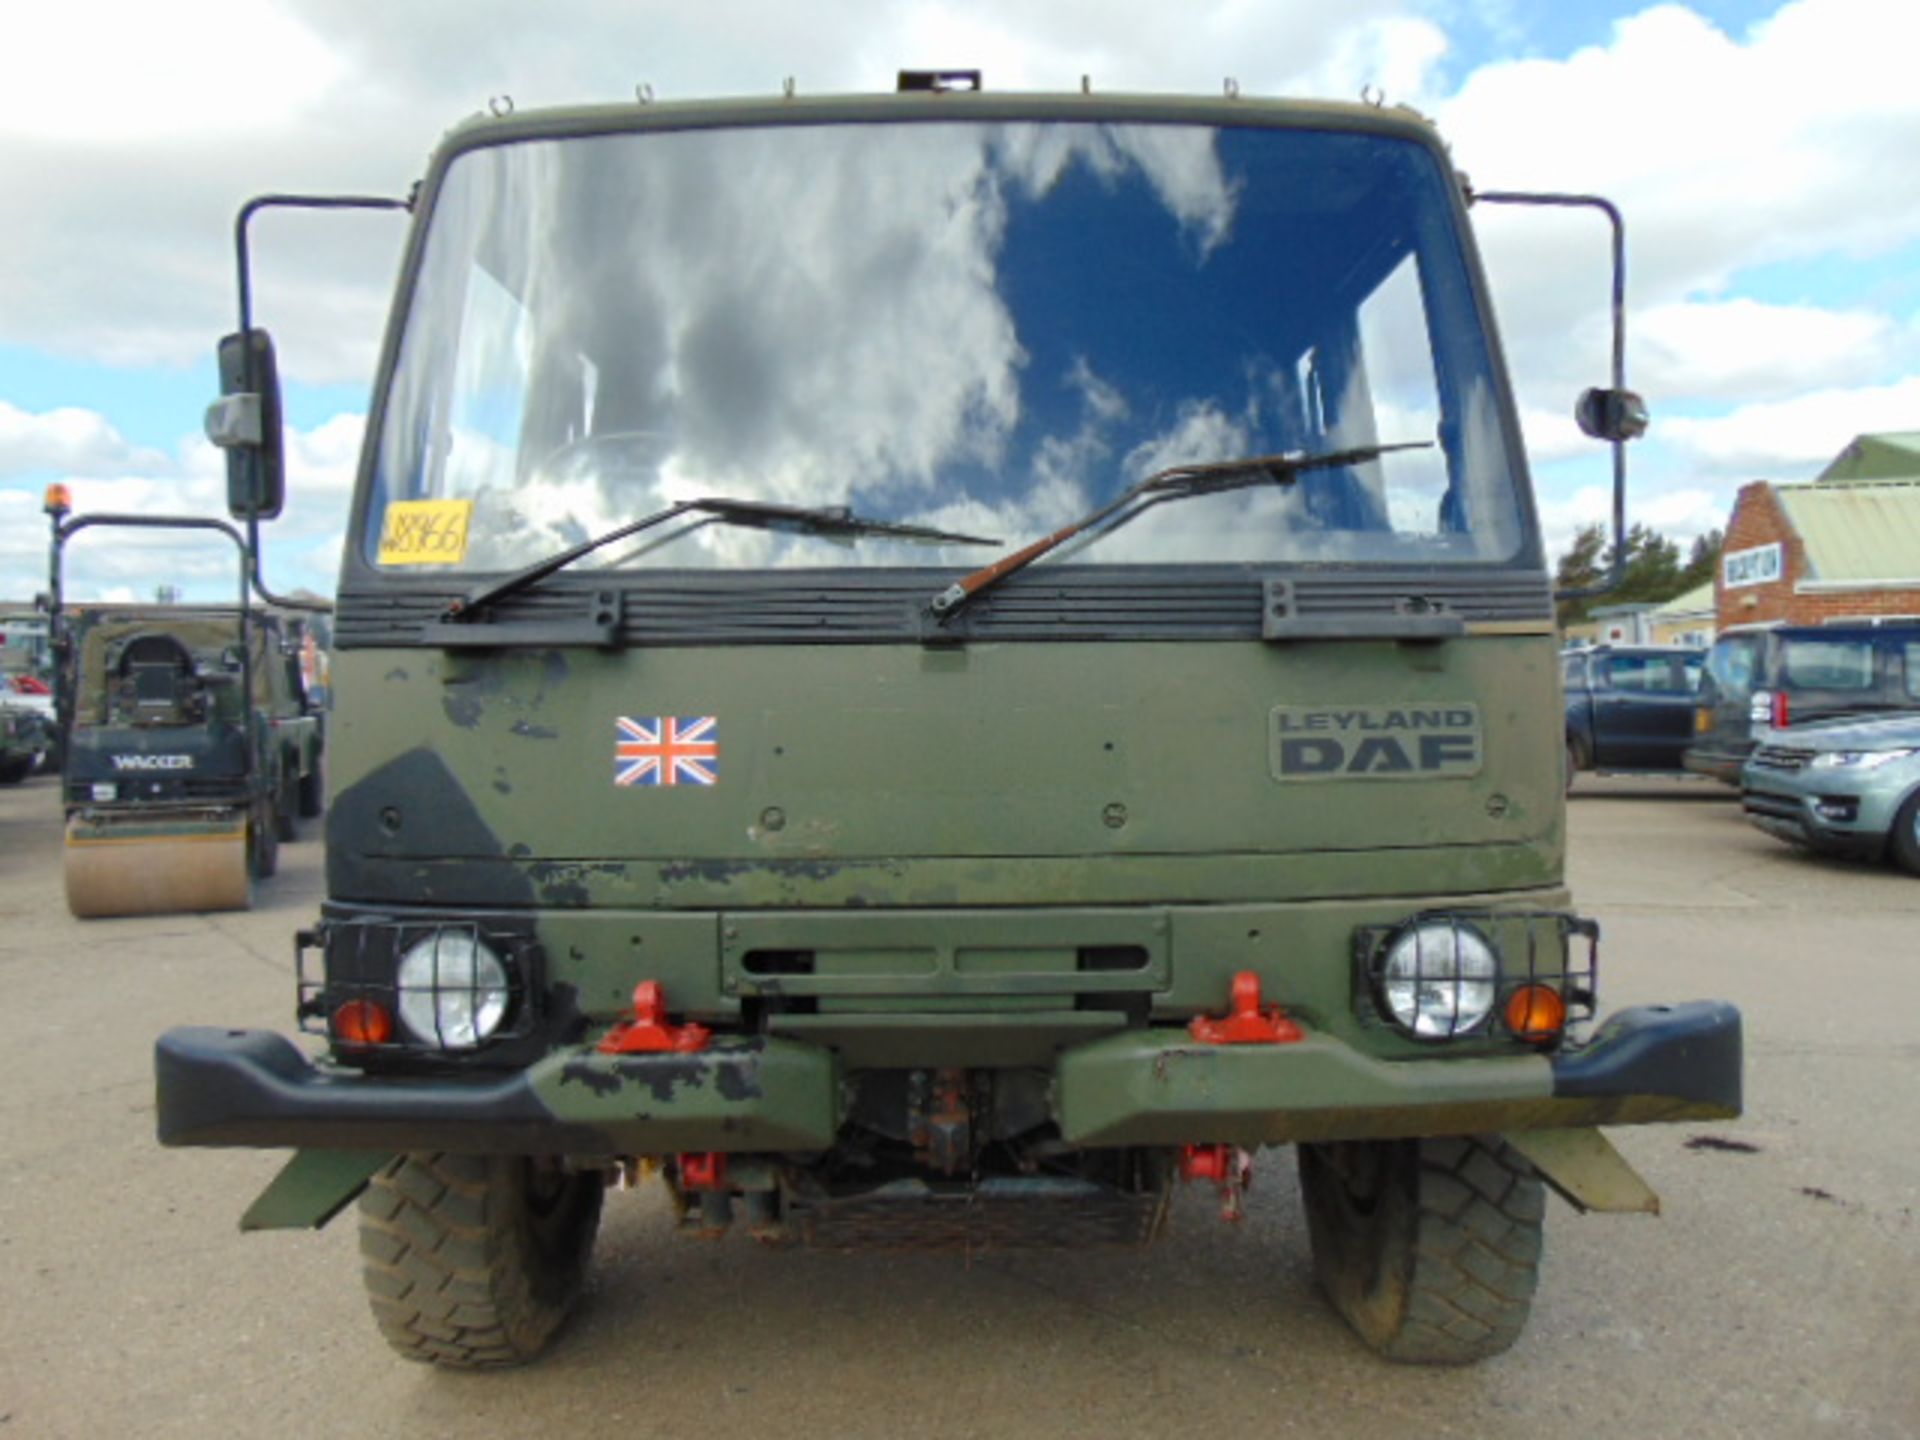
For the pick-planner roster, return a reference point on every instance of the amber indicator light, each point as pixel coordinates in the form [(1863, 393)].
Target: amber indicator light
[(1536, 1012), (362, 1022)]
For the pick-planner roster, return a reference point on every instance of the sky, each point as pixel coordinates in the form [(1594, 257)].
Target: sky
[(1761, 152)]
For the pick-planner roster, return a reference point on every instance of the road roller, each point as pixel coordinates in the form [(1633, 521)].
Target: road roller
[(191, 748)]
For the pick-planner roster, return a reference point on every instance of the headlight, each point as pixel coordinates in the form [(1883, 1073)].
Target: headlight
[(1855, 759), (453, 990), (1439, 979)]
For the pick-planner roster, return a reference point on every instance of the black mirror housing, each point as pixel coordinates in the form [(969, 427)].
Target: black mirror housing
[(1614, 415), (245, 422)]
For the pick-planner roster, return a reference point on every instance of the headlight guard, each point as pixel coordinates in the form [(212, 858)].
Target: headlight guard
[(363, 968), (1405, 974)]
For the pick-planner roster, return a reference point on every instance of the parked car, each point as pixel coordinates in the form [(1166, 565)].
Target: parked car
[(32, 740), (20, 744), (1629, 708), (1849, 787), (1761, 681)]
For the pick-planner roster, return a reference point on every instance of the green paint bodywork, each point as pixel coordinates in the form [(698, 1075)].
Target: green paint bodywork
[(944, 832), (1587, 1172), (763, 1094), (312, 1188), (990, 776), (1153, 1088)]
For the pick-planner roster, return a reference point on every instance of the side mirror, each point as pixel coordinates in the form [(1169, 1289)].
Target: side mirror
[(1611, 414), (245, 422)]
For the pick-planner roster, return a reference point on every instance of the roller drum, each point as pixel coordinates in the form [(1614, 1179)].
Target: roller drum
[(156, 867)]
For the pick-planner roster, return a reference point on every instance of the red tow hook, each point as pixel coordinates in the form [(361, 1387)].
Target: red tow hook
[(648, 1031), (703, 1170), (1230, 1169), (1248, 1022)]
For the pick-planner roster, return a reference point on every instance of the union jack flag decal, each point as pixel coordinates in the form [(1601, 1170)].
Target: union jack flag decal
[(663, 750)]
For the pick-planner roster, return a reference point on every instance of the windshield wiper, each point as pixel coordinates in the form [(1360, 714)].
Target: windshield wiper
[(833, 521), (1179, 482)]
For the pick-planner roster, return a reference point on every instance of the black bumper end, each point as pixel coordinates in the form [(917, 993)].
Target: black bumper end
[(1687, 1053), (256, 1088)]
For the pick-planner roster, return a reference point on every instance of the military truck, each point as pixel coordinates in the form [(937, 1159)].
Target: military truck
[(728, 785)]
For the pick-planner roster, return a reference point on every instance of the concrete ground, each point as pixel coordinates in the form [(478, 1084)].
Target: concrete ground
[(1778, 1295)]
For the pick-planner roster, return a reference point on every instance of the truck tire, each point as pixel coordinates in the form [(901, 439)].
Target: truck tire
[(286, 802), (1903, 842), (312, 795), (12, 772), (473, 1261), (1429, 1249), (263, 841)]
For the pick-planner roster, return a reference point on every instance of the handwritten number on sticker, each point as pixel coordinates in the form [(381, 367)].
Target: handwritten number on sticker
[(425, 532)]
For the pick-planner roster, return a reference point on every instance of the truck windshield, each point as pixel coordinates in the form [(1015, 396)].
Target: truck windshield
[(989, 329)]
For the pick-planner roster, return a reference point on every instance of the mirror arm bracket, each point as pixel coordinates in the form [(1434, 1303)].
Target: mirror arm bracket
[(1617, 404)]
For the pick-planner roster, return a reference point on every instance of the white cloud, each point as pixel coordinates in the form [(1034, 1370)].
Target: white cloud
[(1724, 154), (302, 547), (159, 137), (1553, 435), (1793, 439), (1681, 514), (124, 163), (156, 73), (69, 441), (1742, 349)]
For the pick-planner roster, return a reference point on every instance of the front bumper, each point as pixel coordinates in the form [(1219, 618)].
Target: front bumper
[(1153, 1086), (1796, 815)]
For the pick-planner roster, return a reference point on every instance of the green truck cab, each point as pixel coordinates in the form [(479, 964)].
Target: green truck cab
[(931, 666)]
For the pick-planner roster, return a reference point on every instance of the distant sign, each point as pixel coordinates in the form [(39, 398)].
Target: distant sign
[(1758, 566)]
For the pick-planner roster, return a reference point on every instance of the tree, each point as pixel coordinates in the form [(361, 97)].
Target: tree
[(1580, 569), (1651, 575), (1703, 561), (1652, 570)]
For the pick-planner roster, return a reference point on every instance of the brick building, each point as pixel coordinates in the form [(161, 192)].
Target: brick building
[(1845, 546)]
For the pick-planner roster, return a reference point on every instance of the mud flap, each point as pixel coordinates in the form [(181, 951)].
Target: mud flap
[(312, 1188), (1582, 1168)]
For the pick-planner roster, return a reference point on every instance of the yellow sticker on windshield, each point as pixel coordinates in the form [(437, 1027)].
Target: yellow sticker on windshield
[(425, 532)]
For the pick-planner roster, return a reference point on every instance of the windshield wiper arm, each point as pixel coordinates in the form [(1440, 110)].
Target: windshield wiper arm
[(1179, 482), (824, 520)]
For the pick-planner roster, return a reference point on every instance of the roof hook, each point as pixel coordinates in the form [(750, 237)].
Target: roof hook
[(788, 87), (643, 92), (501, 106), (1373, 95), (1232, 88)]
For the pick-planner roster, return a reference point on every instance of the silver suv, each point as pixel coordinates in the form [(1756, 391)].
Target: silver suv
[(1842, 786)]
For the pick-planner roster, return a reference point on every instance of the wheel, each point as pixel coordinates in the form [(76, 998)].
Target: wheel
[(1429, 1249), (1904, 840), (473, 1261), (263, 841), (12, 772), (312, 794), (286, 802)]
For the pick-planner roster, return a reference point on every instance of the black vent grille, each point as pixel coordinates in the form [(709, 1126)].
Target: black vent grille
[(853, 608)]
